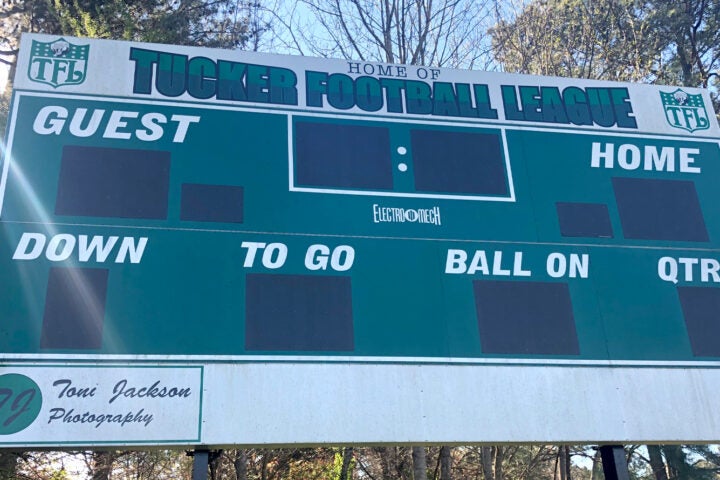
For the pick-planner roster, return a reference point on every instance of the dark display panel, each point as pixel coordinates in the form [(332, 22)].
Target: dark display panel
[(113, 182), (298, 312), (342, 156), (74, 308), (525, 318)]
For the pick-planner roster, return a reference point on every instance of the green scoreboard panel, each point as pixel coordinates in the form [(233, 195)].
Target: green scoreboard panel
[(189, 205)]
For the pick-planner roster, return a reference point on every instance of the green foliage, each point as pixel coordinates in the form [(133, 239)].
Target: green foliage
[(691, 462), (214, 23), (674, 42), (109, 19), (337, 464), (690, 30), (60, 475), (662, 41)]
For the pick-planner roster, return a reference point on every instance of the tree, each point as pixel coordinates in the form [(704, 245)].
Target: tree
[(419, 456), (22, 16), (690, 30), (211, 23), (488, 462), (691, 33), (653, 41), (607, 39), (151, 465), (8, 465), (445, 463), (419, 32), (279, 464), (658, 41), (346, 464), (101, 464), (656, 462)]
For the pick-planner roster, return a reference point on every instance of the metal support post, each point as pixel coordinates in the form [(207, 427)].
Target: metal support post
[(200, 464), (614, 462)]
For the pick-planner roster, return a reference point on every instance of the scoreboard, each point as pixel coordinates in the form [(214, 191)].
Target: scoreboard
[(227, 248)]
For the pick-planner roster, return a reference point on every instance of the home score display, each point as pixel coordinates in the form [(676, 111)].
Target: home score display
[(172, 204)]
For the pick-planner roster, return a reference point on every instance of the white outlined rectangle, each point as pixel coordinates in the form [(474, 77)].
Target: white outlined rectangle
[(510, 197), (86, 404)]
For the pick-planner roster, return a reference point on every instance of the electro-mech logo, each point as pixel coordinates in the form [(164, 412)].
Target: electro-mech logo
[(406, 215), (686, 111), (58, 63)]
